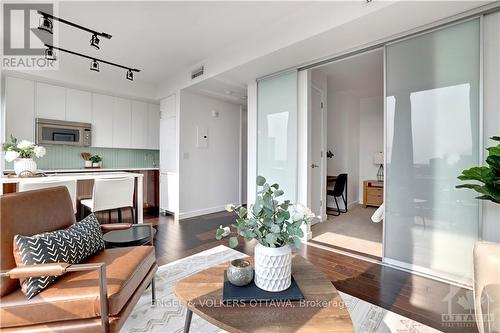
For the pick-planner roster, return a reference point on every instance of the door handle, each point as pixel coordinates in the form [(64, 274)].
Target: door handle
[(314, 166)]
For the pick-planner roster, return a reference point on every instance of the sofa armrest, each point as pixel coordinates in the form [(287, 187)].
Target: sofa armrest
[(115, 226), (54, 269), (57, 269)]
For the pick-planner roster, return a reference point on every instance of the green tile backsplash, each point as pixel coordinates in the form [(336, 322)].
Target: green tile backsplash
[(68, 157)]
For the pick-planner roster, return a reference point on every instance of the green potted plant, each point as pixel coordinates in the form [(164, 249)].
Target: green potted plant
[(488, 175), (486, 254), (275, 226), (96, 161), (22, 153)]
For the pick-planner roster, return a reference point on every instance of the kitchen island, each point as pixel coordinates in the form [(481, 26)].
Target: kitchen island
[(83, 179)]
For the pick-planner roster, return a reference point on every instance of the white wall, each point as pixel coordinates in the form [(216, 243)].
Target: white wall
[(209, 177), (371, 137), (343, 117)]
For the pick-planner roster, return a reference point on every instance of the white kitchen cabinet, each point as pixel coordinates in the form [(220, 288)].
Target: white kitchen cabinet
[(78, 105), (102, 120), (50, 101), (139, 134), (122, 122), (153, 126), (20, 108), (169, 192)]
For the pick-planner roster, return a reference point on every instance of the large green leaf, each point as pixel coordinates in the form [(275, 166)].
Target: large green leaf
[(494, 150), (494, 161), (261, 180), (482, 174)]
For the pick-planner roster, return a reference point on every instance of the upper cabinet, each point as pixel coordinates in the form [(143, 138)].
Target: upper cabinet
[(122, 123), (50, 101), (78, 105), (102, 120), (20, 109), (153, 126), (139, 135), (116, 122)]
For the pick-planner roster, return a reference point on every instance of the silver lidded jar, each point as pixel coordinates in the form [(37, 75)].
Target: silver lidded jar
[(240, 272)]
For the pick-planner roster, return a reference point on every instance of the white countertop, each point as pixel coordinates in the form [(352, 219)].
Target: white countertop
[(91, 170), (71, 176)]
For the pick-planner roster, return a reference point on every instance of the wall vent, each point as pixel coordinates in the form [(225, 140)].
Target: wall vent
[(197, 72)]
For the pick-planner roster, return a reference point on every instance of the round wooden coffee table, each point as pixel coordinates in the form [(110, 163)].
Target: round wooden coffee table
[(322, 310)]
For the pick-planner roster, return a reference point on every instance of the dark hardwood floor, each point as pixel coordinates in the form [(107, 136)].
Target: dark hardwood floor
[(425, 300)]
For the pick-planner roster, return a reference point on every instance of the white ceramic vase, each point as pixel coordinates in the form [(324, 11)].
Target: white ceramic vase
[(273, 267), (24, 164)]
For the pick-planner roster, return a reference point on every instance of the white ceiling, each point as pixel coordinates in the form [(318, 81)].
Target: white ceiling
[(163, 37), (362, 75), (220, 88)]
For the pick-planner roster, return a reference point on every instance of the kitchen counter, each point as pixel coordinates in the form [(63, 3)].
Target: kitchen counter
[(85, 176), (89, 170)]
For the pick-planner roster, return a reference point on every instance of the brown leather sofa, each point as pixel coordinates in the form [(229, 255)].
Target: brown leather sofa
[(95, 296)]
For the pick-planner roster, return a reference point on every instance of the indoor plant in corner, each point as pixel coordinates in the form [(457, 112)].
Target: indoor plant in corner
[(486, 254), (22, 153), (487, 176), (275, 225)]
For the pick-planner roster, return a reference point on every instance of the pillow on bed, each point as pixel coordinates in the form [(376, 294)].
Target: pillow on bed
[(71, 245)]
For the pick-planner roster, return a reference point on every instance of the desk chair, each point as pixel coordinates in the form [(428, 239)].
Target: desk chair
[(338, 191)]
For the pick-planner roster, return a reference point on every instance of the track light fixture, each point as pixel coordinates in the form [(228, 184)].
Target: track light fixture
[(50, 54), (94, 42), (130, 75), (45, 24), (94, 65)]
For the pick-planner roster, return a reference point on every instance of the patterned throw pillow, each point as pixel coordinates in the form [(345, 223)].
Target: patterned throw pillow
[(71, 246)]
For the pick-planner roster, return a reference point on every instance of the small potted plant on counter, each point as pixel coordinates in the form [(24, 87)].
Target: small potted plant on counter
[(96, 161), (22, 153), (275, 226)]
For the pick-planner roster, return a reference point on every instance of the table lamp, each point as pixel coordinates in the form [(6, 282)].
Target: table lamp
[(378, 158)]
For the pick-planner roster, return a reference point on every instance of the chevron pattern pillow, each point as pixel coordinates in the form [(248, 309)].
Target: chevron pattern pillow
[(71, 246)]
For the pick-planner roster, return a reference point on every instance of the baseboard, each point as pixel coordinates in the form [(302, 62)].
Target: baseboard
[(204, 211)]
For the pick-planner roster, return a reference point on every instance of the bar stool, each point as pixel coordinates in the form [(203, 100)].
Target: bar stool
[(46, 183), (109, 194)]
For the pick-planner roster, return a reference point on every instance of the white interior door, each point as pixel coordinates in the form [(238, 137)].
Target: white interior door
[(316, 149)]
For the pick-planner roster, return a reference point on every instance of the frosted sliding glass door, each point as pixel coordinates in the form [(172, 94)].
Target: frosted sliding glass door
[(277, 132), (432, 134)]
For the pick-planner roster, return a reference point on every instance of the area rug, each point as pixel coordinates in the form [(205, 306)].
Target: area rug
[(167, 316)]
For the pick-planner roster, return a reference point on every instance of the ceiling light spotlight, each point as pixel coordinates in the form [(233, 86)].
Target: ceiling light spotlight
[(94, 66), (130, 75), (45, 24), (50, 54), (94, 41)]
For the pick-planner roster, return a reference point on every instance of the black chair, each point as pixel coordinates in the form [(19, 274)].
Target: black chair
[(339, 190)]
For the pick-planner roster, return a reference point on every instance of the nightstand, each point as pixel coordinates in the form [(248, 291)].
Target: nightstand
[(373, 193)]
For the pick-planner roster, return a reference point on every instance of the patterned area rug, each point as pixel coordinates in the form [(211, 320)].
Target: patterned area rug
[(168, 314)]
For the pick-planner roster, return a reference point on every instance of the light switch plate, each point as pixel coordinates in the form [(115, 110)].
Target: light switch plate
[(201, 137)]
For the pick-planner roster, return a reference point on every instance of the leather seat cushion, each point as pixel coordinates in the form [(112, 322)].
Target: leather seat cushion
[(76, 295)]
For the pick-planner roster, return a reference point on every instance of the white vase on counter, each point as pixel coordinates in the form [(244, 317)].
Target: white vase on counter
[(24, 164), (88, 164)]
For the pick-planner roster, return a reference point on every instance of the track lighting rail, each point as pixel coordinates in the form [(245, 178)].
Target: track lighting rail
[(91, 58), (102, 34)]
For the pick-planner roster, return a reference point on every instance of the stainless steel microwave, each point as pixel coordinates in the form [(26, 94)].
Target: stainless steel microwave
[(61, 132)]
